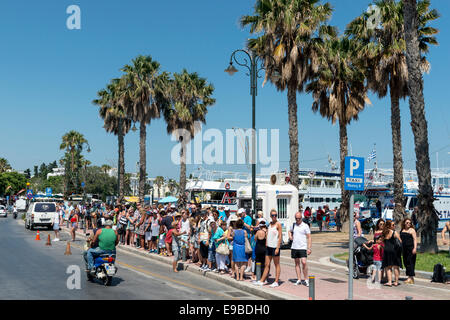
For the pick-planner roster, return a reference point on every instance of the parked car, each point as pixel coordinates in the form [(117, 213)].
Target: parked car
[(3, 212), (40, 214)]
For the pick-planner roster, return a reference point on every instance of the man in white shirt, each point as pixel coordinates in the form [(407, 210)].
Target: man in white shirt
[(300, 235)]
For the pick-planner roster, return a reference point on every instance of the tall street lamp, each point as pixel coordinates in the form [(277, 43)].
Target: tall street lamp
[(254, 64)]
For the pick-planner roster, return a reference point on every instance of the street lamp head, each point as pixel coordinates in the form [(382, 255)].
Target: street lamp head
[(134, 129), (231, 69), (276, 75)]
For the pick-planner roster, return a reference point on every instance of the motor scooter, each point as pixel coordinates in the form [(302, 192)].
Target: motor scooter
[(104, 266)]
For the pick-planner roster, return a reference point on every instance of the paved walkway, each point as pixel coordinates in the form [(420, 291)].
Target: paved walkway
[(330, 279)]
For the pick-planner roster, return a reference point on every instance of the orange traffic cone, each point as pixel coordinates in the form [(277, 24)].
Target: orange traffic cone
[(37, 236), (68, 252), (49, 243)]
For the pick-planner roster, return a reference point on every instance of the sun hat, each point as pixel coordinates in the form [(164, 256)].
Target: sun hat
[(241, 210), (233, 217), (108, 222)]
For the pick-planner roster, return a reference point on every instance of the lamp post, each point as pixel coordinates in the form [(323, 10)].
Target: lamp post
[(254, 64)]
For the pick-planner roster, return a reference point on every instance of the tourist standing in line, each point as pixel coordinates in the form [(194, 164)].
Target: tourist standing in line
[(300, 235), (444, 230), (260, 246), (391, 257), (240, 258), (409, 249), (274, 234)]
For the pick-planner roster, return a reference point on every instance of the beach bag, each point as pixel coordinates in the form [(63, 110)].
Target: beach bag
[(223, 249), (438, 273)]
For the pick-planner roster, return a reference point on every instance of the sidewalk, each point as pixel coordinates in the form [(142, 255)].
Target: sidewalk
[(329, 285)]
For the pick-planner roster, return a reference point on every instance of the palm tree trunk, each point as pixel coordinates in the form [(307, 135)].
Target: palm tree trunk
[(142, 161), (121, 165), (399, 211), (293, 135), (181, 198), (427, 216), (345, 195)]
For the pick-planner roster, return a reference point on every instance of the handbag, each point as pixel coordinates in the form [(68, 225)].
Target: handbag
[(223, 249), (248, 247), (397, 243)]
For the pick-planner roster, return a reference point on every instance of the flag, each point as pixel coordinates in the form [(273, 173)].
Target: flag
[(372, 155)]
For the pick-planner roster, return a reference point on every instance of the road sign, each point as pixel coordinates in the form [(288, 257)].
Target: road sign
[(82, 184), (48, 192), (29, 194), (354, 174)]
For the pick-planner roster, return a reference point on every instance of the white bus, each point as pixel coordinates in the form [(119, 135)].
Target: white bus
[(283, 198)]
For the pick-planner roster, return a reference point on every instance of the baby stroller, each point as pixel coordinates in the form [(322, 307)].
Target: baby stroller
[(362, 258)]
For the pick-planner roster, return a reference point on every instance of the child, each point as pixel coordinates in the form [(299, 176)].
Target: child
[(162, 244), (377, 248)]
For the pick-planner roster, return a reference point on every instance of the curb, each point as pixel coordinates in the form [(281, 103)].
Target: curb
[(419, 274), (241, 285)]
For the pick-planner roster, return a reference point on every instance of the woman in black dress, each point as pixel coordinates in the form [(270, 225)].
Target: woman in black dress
[(391, 256), (260, 248), (409, 246)]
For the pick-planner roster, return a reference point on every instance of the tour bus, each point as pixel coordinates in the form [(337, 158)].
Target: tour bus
[(283, 198)]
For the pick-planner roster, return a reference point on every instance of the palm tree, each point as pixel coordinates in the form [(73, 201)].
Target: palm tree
[(159, 181), (187, 97), (339, 93), (140, 81), (73, 142), (290, 30), (4, 165), (105, 168), (428, 218), (112, 111), (173, 186), (386, 65)]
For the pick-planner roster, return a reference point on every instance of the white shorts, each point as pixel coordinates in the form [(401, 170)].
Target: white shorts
[(56, 226), (148, 236)]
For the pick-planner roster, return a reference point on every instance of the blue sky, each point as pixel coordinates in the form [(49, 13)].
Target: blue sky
[(49, 76)]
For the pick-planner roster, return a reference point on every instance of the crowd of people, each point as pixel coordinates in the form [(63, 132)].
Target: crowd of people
[(216, 239)]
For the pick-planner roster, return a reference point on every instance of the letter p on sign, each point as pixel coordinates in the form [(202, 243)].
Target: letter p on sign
[(354, 164)]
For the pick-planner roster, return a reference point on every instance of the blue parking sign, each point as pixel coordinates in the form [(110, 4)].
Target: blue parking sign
[(354, 174), (49, 192)]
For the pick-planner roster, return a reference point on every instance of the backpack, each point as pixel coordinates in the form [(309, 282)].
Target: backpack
[(438, 273)]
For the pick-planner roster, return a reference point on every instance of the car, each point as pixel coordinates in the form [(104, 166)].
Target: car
[(3, 212), (40, 214)]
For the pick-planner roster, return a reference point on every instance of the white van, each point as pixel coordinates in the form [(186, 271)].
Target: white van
[(283, 198), (21, 205), (40, 214)]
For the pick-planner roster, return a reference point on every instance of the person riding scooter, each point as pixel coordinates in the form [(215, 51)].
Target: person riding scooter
[(107, 241)]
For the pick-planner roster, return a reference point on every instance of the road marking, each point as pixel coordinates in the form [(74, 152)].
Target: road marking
[(158, 276), (172, 280)]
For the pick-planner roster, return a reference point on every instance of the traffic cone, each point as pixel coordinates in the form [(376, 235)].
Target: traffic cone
[(37, 236), (68, 252), (49, 243)]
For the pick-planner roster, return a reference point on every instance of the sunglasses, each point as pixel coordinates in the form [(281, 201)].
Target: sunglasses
[(298, 218), (273, 215)]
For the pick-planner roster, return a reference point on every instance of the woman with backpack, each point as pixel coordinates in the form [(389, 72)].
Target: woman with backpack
[(409, 246), (392, 252)]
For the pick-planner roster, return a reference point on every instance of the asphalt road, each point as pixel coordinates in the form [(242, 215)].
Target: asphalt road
[(31, 270)]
